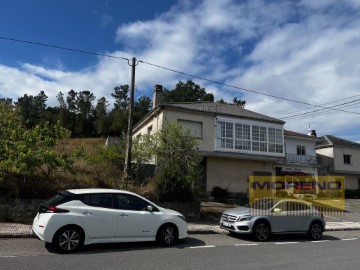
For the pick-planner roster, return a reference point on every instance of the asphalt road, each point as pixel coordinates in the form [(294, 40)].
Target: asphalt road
[(337, 250)]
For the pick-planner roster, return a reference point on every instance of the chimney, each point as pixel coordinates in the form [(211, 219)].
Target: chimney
[(157, 95), (312, 133)]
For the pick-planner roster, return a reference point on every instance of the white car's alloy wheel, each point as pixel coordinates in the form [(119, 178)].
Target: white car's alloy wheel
[(68, 240), (167, 235)]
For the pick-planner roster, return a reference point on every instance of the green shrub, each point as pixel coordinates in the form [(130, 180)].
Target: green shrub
[(178, 163), (220, 194)]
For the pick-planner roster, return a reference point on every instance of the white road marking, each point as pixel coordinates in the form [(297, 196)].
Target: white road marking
[(203, 247), (320, 241), (251, 244), (285, 243), (334, 218), (349, 239)]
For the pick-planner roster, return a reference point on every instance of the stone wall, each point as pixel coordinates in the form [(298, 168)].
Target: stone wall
[(190, 210), (21, 211)]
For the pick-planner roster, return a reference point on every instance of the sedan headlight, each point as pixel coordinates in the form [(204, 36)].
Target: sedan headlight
[(244, 218)]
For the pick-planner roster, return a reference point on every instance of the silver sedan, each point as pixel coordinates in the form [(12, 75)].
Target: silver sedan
[(268, 216)]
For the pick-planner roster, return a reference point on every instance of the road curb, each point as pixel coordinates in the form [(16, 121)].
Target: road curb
[(342, 229), (25, 230), (7, 236)]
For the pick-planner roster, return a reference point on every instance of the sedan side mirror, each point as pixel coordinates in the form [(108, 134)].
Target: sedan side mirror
[(276, 210), (149, 208)]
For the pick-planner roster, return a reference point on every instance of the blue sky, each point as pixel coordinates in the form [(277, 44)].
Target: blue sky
[(303, 50)]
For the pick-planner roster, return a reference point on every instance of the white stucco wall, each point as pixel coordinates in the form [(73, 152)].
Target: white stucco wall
[(325, 152), (350, 171), (234, 173), (206, 143), (291, 144), (339, 159), (155, 122)]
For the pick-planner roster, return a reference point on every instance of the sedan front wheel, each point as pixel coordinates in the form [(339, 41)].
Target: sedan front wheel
[(315, 232), (261, 231)]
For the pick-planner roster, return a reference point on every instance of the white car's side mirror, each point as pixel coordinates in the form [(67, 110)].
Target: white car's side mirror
[(276, 210), (150, 208)]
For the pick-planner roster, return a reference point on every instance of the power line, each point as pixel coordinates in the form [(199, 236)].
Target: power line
[(173, 70), (63, 48), (289, 113), (245, 89), (313, 115), (319, 110)]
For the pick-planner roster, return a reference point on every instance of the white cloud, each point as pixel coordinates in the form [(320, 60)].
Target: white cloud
[(52, 74), (306, 51)]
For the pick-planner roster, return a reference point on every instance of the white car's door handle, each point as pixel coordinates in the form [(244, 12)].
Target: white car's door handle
[(87, 213), (123, 215)]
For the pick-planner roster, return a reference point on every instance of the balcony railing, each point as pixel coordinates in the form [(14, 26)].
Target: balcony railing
[(291, 158)]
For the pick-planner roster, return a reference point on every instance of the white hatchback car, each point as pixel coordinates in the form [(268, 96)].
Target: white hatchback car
[(77, 217)]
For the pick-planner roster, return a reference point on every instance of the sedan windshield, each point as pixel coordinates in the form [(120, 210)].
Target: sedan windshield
[(263, 204)]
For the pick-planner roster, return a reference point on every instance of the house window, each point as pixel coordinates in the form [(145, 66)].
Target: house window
[(347, 159), (225, 135), (194, 127), (259, 138), (276, 140), (240, 136), (301, 150), (149, 129)]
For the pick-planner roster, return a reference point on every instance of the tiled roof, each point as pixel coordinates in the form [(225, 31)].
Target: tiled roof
[(331, 141), (296, 134), (221, 109)]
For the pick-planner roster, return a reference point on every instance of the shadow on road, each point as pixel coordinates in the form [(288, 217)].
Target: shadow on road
[(298, 237), (125, 247)]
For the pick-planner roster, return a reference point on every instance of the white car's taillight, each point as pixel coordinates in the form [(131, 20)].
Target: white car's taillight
[(54, 209)]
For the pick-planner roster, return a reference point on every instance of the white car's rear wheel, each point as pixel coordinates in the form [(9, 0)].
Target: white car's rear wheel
[(68, 239)]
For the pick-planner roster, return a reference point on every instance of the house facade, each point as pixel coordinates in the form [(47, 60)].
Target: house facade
[(235, 143), (341, 157), (300, 154)]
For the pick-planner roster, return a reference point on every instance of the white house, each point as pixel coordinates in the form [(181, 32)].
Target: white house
[(236, 143), (300, 151), (339, 157)]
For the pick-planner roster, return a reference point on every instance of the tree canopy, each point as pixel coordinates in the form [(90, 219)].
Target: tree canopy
[(85, 115), (24, 150), (187, 92), (239, 102)]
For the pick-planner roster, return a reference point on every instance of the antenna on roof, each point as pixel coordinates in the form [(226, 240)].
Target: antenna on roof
[(311, 132)]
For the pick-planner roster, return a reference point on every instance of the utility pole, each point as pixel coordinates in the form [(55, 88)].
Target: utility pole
[(127, 168)]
